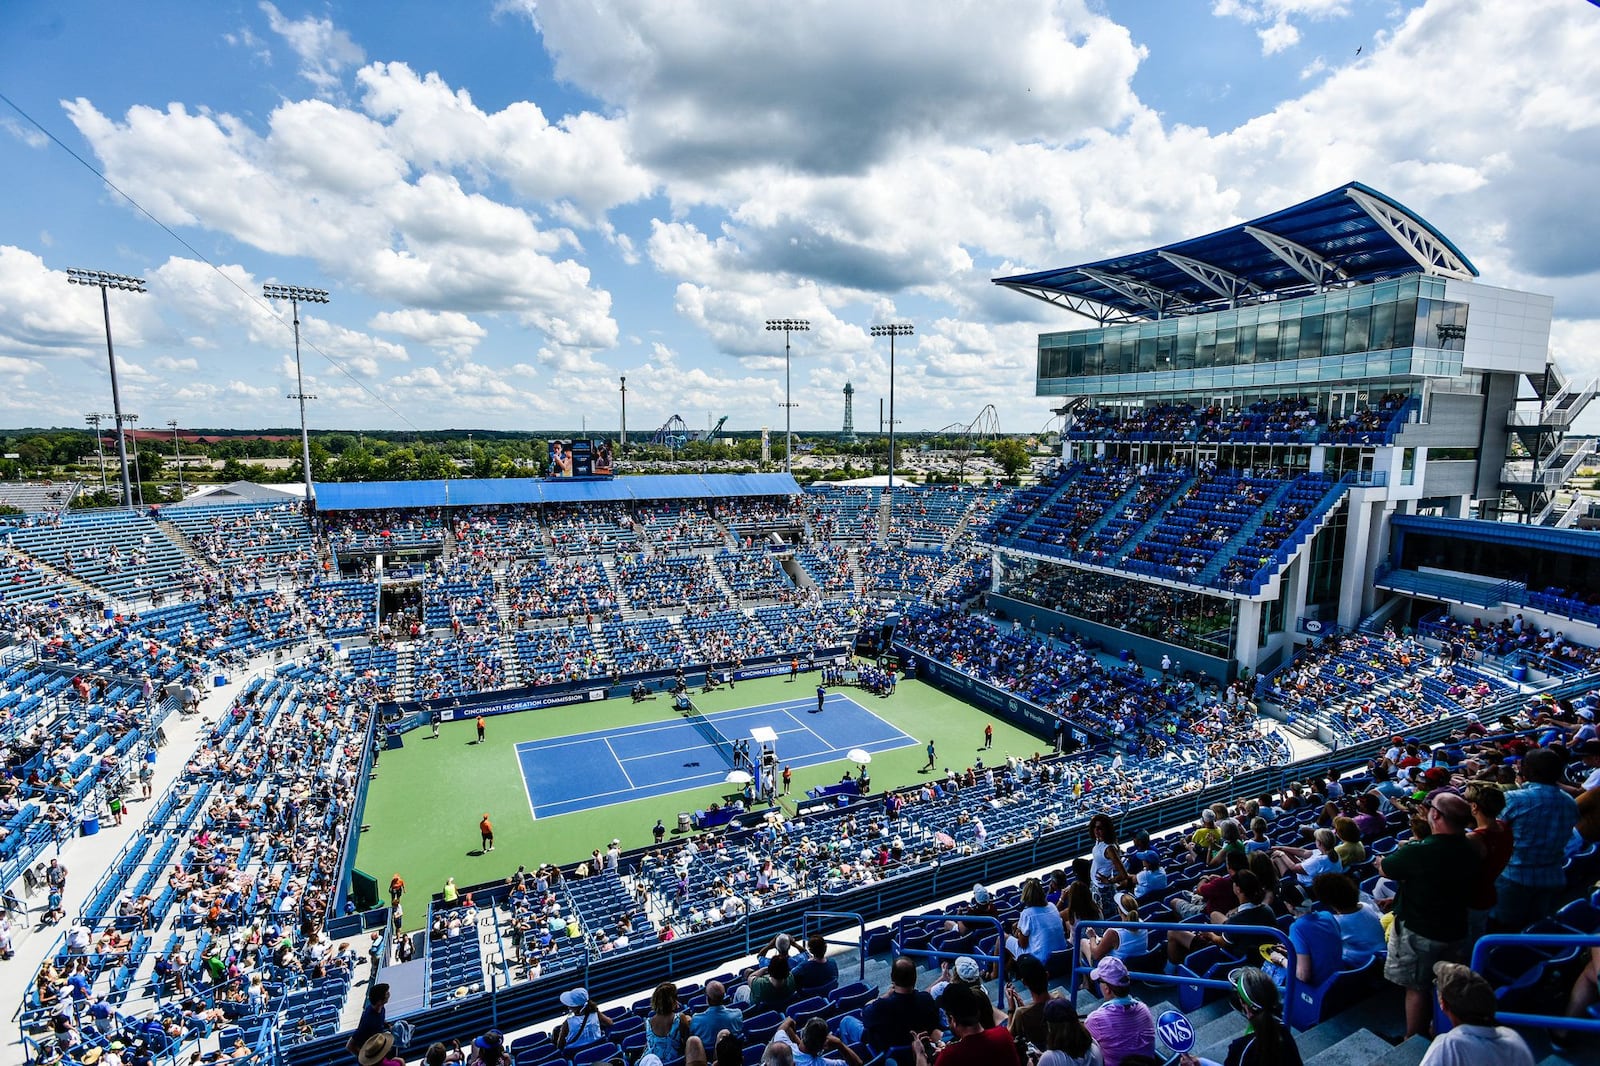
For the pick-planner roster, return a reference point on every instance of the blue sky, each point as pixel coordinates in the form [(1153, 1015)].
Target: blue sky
[(512, 204)]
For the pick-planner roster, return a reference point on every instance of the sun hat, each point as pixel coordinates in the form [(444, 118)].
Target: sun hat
[(376, 1049), (575, 998), (967, 968)]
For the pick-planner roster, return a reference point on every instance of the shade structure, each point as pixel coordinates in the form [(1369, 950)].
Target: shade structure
[(738, 777), (859, 755)]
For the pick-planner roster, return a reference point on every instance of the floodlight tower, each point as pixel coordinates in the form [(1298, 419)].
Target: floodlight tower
[(622, 444), (105, 282), (295, 294), (788, 326), (177, 459), (891, 330), (94, 419)]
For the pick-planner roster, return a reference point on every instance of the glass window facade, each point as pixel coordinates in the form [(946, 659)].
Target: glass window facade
[(1402, 327)]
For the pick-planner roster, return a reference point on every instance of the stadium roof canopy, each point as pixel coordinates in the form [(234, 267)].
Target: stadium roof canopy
[(1350, 235), (377, 495)]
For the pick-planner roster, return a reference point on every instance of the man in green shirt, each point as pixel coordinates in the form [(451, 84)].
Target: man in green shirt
[(1433, 882)]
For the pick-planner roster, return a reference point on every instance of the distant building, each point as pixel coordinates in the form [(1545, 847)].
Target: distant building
[(849, 434)]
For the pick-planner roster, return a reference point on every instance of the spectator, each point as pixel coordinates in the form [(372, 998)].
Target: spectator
[(1433, 885), (1360, 928), (1124, 944), (1541, 818), (773, 987), (1318, 946), (1066, 1041), (1027, 1021), (1038, 930), (1492, 838), (716, 1016), (667, 1029), (1250, 910), (1122, 1025), (966, 971), (585, 1026), (1267, 1041), (894, 1018), (374, 1019), (1585, 990), (974, 1041), (811, 1043), (1307, 863), (1468, 1001), (817, 971)]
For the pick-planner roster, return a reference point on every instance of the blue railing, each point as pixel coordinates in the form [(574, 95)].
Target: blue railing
[(1480, 956), (997, 956), (814, 919), (1252, 932)]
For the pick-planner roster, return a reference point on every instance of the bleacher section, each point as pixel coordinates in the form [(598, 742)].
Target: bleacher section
[(39, 497), (250, 542), (553, 654), (1226, 529), (754, 574), (119, 551), (1288, 420), (840, 513)]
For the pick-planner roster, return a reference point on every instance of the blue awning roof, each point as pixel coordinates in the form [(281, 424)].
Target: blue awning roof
[(1352, 233), (400, 495), (1514, 535)]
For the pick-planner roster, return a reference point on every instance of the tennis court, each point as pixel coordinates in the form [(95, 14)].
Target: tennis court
[(576, 773)]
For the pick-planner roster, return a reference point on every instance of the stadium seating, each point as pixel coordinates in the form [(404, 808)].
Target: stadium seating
[(247, 840)]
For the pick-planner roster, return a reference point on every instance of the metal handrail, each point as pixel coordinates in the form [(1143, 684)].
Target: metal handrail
[(1480, 953), (861, 924), (1272, 931), (998, 958)]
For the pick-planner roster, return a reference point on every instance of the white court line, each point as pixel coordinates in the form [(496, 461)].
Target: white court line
[(826, 747), (683, 751), (526, 791), (618, 759)]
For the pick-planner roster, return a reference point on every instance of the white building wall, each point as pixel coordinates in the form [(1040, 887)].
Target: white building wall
[(1507, 330)]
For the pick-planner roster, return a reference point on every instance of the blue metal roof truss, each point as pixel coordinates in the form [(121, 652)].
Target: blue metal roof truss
[(1352, 233)]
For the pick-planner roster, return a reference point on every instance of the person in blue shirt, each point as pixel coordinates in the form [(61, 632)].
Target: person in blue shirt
[(1318, 946), (1541, 818)]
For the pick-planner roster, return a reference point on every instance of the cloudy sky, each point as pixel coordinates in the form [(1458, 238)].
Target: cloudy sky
[(513, 203)]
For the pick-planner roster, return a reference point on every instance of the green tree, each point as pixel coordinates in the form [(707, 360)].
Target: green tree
[(1012, 455)]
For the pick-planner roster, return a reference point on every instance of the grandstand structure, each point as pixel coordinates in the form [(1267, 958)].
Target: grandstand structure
[(1230, 495), (1257, 413)]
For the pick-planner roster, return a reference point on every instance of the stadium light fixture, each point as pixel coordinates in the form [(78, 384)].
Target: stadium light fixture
[(891, 330), (296, 295), (138, 481), (788, 326), (94, 418), (105, 282), (177, 457)]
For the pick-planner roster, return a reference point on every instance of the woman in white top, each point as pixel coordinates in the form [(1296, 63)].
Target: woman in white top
[(585, 1026), (1105, 863), (1307, 863)]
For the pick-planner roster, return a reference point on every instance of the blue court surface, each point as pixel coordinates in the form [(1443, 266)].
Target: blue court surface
[(575, 773)]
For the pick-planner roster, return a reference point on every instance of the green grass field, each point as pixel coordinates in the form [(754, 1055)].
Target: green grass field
[(425, 802)]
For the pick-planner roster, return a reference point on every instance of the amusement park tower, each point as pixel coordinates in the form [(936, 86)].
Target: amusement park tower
[(849, 434)]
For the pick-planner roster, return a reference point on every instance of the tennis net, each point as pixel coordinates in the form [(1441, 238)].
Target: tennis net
[(714, 736)]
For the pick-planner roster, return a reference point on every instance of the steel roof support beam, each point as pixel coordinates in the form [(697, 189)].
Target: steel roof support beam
[(1157, 300), (1229, 286), (1308, 264), (1101, 313), (1413, 236)]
